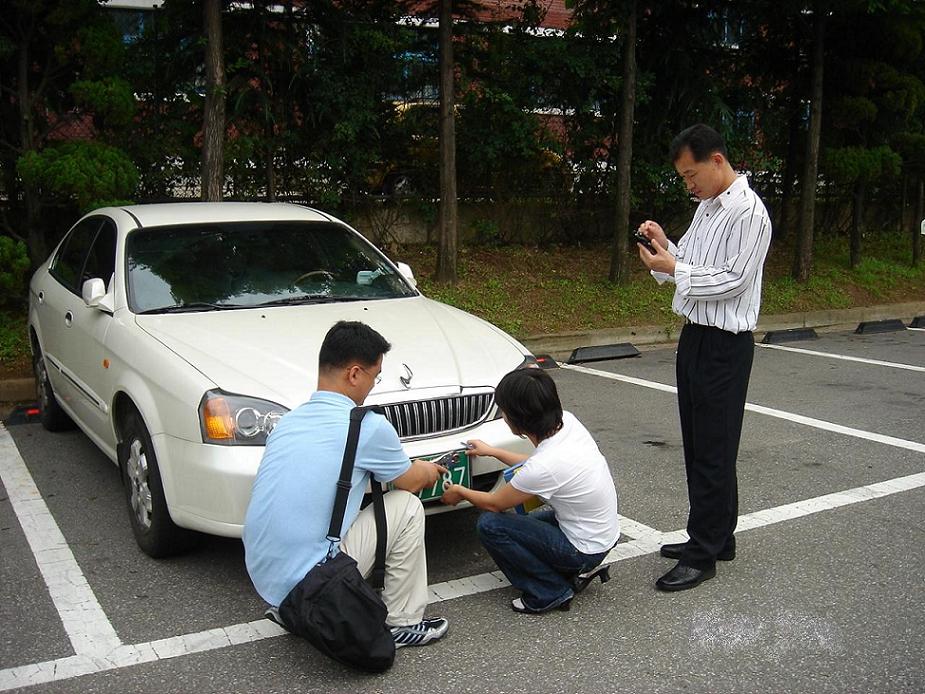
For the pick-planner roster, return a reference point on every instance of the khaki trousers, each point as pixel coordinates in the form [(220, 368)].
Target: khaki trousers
[(405, 591)]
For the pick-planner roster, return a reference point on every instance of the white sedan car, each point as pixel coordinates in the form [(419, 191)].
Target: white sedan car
[(176, 335)]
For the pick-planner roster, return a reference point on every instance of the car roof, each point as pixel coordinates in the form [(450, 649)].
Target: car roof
[(161, 214)]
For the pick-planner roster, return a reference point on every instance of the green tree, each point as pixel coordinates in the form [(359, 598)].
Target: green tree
[(213, 114), (594, 16), (14, 268), (86, 172), (448, 215), (911, 147), (803, 256), (875, 96), (61, 61)]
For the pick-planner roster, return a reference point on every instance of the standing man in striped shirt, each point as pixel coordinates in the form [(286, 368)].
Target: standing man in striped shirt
[(716, 268)]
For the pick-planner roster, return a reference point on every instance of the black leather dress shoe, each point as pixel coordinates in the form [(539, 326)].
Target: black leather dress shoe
[(683, 577), (674, 552)]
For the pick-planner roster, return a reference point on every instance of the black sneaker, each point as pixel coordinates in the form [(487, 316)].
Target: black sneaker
[(423, 632)]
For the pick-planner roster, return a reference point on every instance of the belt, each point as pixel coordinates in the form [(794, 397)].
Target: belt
[(688, 321)]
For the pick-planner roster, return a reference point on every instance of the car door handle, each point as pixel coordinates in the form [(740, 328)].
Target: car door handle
[(41, 297), (68, 318)]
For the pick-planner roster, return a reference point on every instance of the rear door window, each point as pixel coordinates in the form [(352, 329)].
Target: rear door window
[(68, 265)]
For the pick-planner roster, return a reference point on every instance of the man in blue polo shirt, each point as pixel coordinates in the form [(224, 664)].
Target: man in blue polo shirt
[(287, 520)]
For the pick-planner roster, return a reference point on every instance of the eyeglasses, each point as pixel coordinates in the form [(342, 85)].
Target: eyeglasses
[(377, 378)]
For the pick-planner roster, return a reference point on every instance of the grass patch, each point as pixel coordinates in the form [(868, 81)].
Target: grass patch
[(531, 291), (15, 356)]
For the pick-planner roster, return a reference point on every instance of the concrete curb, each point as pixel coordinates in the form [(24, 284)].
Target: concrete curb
[(17, 390), (560, 345)]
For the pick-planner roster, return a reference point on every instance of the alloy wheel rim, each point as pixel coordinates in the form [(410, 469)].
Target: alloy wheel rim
[(140, 492)]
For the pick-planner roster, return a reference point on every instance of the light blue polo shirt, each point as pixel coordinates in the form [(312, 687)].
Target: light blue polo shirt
[(293, 495)]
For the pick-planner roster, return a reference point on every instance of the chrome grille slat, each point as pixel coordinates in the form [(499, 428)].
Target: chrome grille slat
[(438, 416)]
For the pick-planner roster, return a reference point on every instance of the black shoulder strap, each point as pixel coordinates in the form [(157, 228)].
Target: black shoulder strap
[(377, 578)]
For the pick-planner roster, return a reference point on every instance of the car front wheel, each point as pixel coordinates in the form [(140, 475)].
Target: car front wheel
[(53, 417), (155, 532)]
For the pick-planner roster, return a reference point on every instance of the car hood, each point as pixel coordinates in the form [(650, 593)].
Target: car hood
[(272, 353)]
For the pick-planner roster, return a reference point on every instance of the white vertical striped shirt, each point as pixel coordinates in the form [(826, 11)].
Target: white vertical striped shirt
[(719, 260)]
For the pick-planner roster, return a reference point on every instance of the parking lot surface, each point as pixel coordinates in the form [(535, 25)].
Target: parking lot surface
[(825, 595)]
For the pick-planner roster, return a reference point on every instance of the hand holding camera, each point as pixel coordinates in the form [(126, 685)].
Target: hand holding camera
[(643, 240)]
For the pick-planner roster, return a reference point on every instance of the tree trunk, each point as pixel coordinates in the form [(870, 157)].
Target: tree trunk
[(446, 256), (35, 239), (270, 163), (785, 218), (213, 123), (917, 223), (270, 100), (803, 260), (619, 265), (857, 219)]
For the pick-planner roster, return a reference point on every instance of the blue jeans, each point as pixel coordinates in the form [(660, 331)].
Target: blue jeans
[(535, 555)]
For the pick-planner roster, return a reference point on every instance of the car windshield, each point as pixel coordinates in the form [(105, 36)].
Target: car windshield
[(207, 267)]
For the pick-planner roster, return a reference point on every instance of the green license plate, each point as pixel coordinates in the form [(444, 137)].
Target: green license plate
[(457, 472)]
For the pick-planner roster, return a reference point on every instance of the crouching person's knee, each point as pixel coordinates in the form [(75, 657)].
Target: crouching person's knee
[(490, 524), (408, 509)]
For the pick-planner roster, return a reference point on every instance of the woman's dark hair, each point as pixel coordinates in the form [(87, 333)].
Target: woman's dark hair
[(530, 401), (701, 140), (351, 342)]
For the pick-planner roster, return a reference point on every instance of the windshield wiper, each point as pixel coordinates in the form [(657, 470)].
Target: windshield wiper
[(309, 299), (191, 308)]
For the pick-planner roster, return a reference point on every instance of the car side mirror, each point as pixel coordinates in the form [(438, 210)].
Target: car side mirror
[(406, 272), (94, 294)]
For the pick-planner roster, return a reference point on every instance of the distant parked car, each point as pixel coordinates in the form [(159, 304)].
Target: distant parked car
[(176, 335)]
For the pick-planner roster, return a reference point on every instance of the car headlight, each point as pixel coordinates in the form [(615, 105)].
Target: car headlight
[(236, 420), (529, 362)]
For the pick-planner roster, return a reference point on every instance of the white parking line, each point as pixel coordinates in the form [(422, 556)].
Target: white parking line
[(92, 657), (634, 529), (85, 623), (650, 543), (843, 357), (769, 411), (125, 656)]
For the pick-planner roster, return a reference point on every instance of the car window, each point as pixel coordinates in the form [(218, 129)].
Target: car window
[(67, 266), (242, 265), (101, 260)]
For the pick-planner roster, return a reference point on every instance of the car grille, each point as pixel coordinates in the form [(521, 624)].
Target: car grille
[(440, 416)]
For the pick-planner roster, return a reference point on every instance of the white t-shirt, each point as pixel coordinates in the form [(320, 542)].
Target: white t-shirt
[(569, 473)]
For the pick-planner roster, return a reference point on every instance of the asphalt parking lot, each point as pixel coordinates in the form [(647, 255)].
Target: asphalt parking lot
[(825, 595)]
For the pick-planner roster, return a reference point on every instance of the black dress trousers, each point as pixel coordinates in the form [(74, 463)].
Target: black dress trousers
[(713, 368)]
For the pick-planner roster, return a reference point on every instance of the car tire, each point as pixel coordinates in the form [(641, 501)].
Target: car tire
[(53, 416), (154, 530)]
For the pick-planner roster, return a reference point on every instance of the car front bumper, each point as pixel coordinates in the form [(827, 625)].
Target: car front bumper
[(208, 487)]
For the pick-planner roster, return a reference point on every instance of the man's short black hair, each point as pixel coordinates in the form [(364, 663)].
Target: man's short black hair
[(351, 342), (530, 401), (701, 140)]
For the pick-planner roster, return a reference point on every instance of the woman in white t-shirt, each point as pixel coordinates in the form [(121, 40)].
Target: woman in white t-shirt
[(548, 554)]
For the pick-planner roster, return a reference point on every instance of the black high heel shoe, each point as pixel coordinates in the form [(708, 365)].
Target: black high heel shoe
[(582, 581), (518, 606)]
